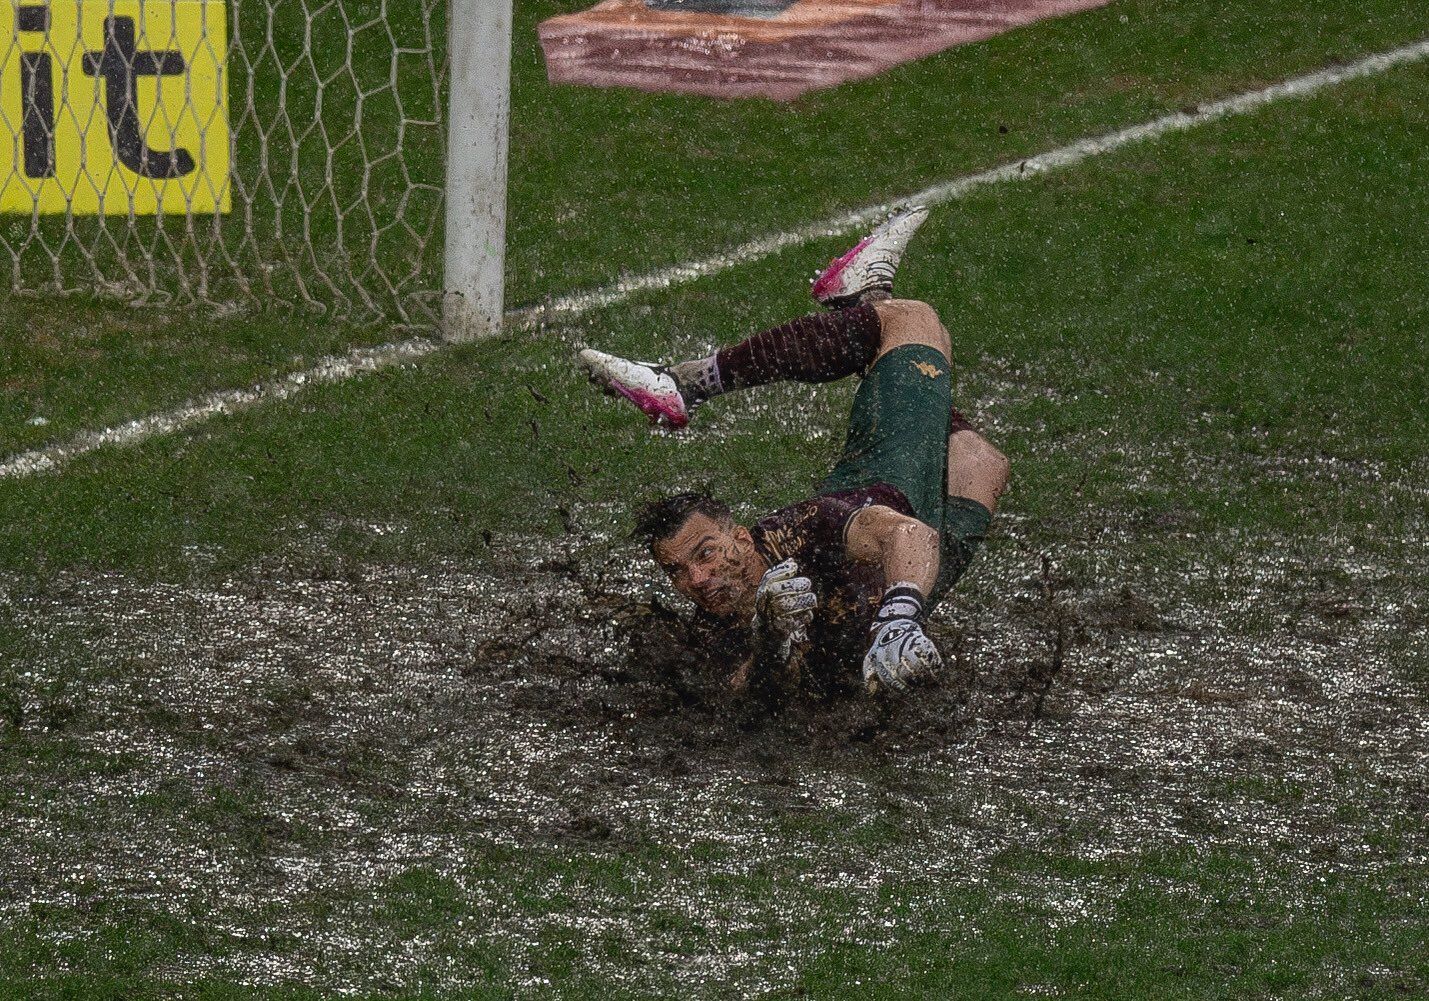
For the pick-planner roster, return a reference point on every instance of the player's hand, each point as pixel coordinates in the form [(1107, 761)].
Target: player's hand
[(785, 602), (900, 655)]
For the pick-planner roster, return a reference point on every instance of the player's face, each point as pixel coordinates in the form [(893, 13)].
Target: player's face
[(715, 566)]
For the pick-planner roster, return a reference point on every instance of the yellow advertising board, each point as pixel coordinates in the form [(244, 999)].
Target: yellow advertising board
[(114, 107)]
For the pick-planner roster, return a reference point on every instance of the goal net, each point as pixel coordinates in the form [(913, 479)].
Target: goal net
[(226, 152)]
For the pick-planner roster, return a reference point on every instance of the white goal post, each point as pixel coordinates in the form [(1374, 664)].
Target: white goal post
[(347, 157), (478, 114)]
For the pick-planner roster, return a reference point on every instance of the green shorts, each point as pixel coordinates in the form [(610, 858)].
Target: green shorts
[(898, 434)]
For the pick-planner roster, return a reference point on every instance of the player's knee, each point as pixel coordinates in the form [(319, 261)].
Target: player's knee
[(977, 468), (912, 321), (939, 339), (945, 342), (989, 460), (911, 315)]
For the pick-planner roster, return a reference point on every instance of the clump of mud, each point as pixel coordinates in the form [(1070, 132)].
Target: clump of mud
[(667, 691)]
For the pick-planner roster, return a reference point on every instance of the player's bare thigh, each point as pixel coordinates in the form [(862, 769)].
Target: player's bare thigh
[(976, 469), (909, 321)]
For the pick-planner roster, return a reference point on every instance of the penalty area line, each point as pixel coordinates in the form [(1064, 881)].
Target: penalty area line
[(334, 368), (338, 368)]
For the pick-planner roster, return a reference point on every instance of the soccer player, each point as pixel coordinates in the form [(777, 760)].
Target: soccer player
[(845, 579)]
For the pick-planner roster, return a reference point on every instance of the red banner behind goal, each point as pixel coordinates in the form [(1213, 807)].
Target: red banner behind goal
[(768, 48)]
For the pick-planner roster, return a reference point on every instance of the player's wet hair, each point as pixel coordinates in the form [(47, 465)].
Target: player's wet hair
[(658, 520)]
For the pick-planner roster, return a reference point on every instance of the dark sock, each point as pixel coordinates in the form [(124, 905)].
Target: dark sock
[(959, 423), (820, 347)]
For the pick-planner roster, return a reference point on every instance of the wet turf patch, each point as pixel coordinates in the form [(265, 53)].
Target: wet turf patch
[(367, 692), (398, 777)]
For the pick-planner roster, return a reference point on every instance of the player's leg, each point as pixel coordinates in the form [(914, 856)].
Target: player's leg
[(821, 347), (977, 476), (899, 424), (977, 470), (904, 430)]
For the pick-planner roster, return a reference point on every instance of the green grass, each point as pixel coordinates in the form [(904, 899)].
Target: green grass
[(598, 176), (1118, 320), (1197, 928), (1200, 927), (94, 365), (609, 181)]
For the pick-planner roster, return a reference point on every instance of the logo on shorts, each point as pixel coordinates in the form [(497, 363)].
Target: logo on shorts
[(928, 368)]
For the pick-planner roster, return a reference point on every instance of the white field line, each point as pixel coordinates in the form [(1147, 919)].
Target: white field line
[(1066, 156), (338, 368), (331, 369)]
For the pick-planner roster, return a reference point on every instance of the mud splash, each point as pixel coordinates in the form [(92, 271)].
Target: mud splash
[(362, 722)]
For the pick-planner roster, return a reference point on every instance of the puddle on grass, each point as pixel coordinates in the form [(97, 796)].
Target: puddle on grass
[(334, 731)]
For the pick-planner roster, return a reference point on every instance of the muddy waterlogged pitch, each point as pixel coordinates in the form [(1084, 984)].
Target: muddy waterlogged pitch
[(287, 758)]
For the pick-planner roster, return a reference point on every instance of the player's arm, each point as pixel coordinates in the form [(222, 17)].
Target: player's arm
[(899, 652), (905, 548)]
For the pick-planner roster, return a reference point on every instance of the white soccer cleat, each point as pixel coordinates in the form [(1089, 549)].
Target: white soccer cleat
[(649, 387), (871, 264)]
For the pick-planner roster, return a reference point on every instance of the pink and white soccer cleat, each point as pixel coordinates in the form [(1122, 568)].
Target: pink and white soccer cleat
[(649, 387), (870, 265)]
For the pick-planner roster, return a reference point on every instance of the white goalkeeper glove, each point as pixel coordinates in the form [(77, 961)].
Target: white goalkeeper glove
[(784, 605), (899, 652)]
